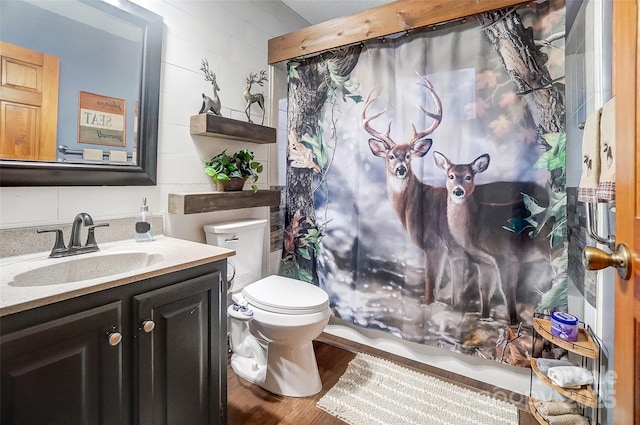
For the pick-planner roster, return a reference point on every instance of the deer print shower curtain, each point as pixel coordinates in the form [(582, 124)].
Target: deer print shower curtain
[(426, 180)]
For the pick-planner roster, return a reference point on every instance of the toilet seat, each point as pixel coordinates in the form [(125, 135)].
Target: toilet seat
[(278, 294)]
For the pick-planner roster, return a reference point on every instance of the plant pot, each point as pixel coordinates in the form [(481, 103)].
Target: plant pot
[(234, 184)]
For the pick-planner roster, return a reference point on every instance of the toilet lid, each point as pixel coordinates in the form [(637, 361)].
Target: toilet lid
[(279, 294)]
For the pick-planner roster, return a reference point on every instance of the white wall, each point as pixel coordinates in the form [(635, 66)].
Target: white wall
[(232, 36)]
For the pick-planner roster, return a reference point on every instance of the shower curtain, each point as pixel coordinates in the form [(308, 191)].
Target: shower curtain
[(426, 180)]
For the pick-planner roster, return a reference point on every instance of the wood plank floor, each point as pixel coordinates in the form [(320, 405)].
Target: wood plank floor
[(249, 404)]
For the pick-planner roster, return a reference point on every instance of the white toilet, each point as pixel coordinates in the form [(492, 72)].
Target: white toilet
[(274, 320)]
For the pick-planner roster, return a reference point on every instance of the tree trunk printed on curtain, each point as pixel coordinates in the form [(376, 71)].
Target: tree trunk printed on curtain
[(309, 87), (434, 209), (526, 64)]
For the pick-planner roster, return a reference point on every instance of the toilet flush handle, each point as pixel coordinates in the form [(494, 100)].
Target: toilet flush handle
[(239, 300)]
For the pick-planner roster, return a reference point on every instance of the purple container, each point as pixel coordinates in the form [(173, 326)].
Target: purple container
[(564, 326)]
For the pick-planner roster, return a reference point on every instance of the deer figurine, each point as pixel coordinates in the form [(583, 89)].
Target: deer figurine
[(257, 97), (420, 207), (212, 104), (478, 228)]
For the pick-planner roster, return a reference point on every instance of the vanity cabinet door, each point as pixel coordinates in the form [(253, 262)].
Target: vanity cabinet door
[(66, 371), (177, 353)]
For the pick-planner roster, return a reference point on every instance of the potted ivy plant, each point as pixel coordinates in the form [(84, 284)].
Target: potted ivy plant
[(229, 172)]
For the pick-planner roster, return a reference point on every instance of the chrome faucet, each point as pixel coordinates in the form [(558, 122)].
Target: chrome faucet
[(75, 246)]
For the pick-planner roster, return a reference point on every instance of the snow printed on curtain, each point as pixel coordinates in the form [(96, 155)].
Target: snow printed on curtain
[(426, 181)]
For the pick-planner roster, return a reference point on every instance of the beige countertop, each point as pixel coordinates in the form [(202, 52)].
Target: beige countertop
[(170, 255)]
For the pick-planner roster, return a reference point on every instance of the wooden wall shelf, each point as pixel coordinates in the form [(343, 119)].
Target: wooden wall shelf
[(215, 126), (194, 203)]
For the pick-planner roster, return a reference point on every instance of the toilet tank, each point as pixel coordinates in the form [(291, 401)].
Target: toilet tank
[(246, 237)]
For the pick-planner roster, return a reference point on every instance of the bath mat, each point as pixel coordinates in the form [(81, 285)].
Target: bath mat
[(375, 391)]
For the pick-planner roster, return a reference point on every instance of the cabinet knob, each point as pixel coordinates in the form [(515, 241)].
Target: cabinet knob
[(596, 259), (148, 325), (114, 338)]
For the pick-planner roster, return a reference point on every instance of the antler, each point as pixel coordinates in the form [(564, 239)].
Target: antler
[(365, 121), (437, 115), (259, 80), (208, 75), (253, 78)]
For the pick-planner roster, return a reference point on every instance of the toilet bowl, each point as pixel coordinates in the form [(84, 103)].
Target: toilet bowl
[(273, 324), (272, 321)]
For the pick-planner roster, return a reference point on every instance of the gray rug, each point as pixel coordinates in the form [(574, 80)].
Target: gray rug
[(375, 391)]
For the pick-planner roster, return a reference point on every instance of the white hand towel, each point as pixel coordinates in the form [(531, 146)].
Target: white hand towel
[(607, 185), (92, 154), (120, 156), (590, 178), (570, 376)]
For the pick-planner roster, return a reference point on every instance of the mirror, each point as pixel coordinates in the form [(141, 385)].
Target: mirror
[(109, 50)]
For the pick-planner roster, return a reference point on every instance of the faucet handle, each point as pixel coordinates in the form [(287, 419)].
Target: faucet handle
[(58, 245), (91, 237)]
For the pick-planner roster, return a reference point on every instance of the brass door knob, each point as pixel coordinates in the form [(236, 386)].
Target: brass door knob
[(597, 259), (148, 325), (114, 338)]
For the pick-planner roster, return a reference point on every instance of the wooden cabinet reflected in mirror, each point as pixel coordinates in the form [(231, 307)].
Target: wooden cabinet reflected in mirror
[(106, 50), (28, 103)]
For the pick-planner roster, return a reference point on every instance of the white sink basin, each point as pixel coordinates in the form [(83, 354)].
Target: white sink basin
[(84, 267), (33, 280)]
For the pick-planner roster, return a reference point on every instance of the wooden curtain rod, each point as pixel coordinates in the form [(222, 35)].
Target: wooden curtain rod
[(381, 21)]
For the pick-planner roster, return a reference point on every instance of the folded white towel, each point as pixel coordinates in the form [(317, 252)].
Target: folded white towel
[(119, 156), (607, 185), (590, 178), (545, 364), (570, 376), (92, 154)]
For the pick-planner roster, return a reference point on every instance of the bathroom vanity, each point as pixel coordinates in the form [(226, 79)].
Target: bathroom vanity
[(141, 347)]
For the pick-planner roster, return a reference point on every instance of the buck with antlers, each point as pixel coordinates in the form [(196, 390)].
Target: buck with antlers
[(478, 228), (212, 104), (257, 97), (420, 207)]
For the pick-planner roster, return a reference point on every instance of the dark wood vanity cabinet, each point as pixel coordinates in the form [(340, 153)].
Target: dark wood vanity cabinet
[(174, 350), (64, 371), (150, 353)]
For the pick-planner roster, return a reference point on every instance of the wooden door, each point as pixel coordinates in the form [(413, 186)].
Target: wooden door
[(627, 314), (64, 371), (28, 103), (178, 354)]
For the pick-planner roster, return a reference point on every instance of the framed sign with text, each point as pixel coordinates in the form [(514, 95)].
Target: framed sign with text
[(101, 120)]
